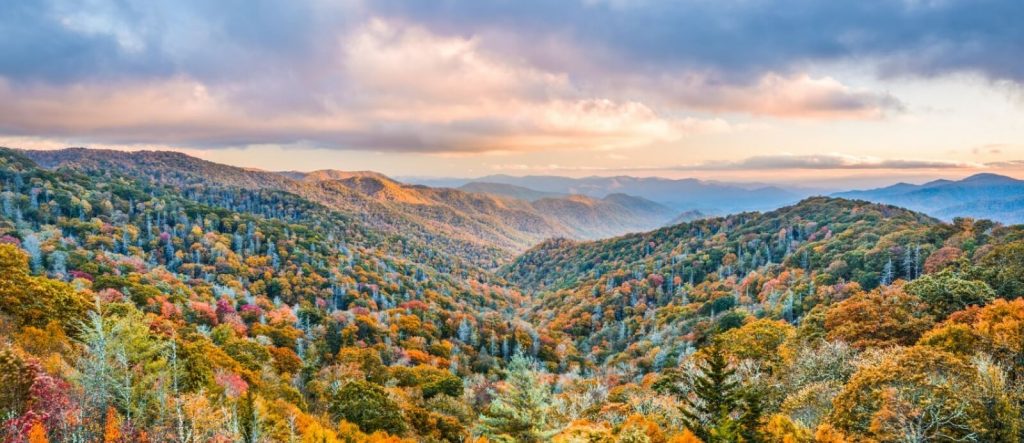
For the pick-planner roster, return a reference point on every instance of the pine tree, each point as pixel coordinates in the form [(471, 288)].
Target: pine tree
[(708, 410), (521, 412), (752, 415), (248, 418)]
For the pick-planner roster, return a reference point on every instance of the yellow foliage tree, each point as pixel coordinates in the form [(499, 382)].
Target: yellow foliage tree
[(780, 428), (884, 317), (758, 340), (685, 437), (583, 431), (919, 391)]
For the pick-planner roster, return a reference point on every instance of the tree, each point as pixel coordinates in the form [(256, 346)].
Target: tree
[(752, 417), (37, 433), (887, 274), (707, 411), (1003, 269), (16, 378), (112, 427), (522, 410), (760, 340), (996, 330), (249, 419), (945, 292), (35, 300), (883, 317), (914, 395), (1000, 414), (368, 406), (124, 366)]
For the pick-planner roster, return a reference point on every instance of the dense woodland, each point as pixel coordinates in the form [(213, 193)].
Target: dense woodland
[(157, 303)]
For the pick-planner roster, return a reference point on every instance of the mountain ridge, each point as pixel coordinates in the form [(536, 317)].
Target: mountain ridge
[(982, 195), (485, 228), (680, 194)]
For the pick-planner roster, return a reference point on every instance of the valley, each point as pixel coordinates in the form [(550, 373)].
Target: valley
[(228, 303)]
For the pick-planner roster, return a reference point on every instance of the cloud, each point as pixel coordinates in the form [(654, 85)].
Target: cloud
[(450, 76), (740, 40), (819, 162), (796, 96), (1006, 164), (389, 87)]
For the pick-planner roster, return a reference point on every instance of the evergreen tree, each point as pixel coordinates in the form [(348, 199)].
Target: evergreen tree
[(752, 415), (249, 419), (708, 410), (522, 411)]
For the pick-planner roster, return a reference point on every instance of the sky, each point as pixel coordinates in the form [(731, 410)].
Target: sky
[(811, 92)]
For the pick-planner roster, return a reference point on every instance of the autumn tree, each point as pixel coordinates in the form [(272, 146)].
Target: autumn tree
[(996, 330), (916, 395), (36, 300), (883, 317), (760, 340)]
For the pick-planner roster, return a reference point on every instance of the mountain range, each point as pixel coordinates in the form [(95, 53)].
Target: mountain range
[(489, 226), (680, 194), (983, 196)]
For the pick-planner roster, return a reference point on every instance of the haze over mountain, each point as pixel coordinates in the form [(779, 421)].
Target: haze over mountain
[(680, 194), (988, 196), (507, 190)]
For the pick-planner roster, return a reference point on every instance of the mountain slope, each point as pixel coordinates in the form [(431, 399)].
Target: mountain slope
[(988, 196), (329, 174), (179, 291), (506, 190), (226, 291), (483, 229), (618, 297)]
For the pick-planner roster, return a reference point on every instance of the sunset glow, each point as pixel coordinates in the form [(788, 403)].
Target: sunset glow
[(838, 92)]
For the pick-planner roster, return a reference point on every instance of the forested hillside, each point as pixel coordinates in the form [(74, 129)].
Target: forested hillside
[(480, 228), (157, 297)]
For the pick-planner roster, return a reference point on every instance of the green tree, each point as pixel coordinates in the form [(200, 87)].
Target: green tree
[(1003, 269), (707, 412), (249, 419), (752, 417), (522, 411), (946, 293), (368, 406)]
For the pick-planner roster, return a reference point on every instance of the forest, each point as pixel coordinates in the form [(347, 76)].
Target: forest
[(152, 303)]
